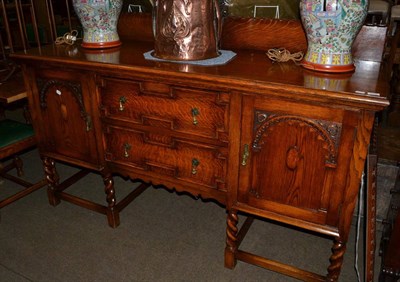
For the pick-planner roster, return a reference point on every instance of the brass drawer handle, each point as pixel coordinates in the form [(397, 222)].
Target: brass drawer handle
[(122, 101), (195, 164), (127, 148), (195, 113), (246, 154)]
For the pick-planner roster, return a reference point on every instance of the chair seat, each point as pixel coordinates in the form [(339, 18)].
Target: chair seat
[(13, 131), (15, 137)]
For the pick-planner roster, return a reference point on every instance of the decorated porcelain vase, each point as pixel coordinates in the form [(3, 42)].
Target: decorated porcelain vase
[(99, 19), (331, 27)]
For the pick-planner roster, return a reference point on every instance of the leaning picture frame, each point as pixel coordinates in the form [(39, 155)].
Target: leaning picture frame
[(137, 6), (275, 9)]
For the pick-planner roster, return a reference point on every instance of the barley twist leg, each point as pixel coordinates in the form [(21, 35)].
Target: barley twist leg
[(231, 239), (336, 260), (52, 180)]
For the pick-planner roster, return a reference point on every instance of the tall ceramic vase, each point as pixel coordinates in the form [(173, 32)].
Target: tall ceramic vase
[(331, 27), (99, 19)]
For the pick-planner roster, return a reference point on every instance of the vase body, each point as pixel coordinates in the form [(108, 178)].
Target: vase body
[(186, 29), (331, 27), (99, 19)]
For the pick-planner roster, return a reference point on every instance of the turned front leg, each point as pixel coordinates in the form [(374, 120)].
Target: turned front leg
[(336, 259), (112, 212), (231, 239), (52, 179)]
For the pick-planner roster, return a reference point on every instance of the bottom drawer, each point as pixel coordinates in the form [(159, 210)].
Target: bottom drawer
[(168, 156)]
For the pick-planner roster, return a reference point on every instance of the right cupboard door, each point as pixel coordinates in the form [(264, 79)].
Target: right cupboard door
[(294, 159)]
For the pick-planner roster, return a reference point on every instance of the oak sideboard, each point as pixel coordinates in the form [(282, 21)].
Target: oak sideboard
[(271, 140)]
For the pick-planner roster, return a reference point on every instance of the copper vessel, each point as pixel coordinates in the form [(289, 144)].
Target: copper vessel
[(186, 29)]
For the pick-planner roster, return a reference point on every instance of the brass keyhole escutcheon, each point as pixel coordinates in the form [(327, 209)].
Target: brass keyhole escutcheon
[(88, 121)]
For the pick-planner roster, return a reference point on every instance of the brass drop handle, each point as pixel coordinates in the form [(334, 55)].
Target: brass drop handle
[(246, 154), (195, 164), (195, 113), (127, 148), (122, 101)]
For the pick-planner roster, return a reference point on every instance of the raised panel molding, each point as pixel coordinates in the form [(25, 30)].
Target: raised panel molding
[(328, 131), (74, 88)]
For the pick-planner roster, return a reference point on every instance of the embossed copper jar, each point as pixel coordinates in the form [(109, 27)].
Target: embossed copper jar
[(186, 29)]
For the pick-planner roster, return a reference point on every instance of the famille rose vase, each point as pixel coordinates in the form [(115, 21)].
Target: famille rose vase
[(331, 27), (99, 19)]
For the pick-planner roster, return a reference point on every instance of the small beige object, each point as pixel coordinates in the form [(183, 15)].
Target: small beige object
[(283, 55)]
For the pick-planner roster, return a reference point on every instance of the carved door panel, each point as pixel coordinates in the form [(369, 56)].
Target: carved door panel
[(64, 121), (290, 159)]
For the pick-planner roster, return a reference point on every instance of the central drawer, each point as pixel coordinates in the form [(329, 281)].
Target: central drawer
[(196, 112), (168, 156)]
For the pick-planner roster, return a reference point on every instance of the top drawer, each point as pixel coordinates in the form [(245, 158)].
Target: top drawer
[(197, 112)]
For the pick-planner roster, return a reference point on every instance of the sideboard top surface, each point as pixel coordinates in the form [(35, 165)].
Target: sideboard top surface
[(248, 70)]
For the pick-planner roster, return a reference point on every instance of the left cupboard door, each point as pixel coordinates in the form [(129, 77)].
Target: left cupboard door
[(62, 107)]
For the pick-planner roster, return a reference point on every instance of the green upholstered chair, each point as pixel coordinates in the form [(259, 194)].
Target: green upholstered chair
[(16, 137)]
